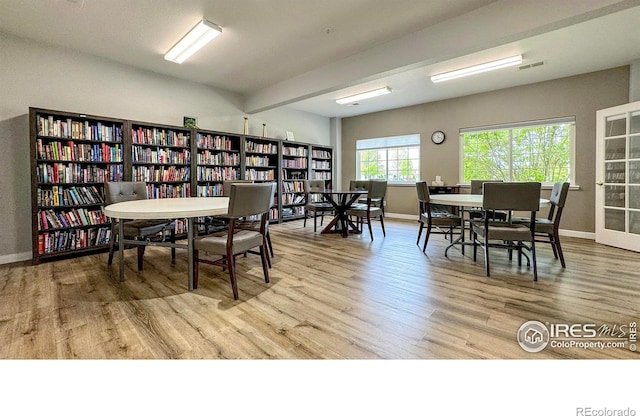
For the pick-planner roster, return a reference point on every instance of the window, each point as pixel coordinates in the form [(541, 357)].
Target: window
[(396, 159), (540, 151)]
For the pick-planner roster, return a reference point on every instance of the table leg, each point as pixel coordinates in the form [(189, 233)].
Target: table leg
[(190, 233), (121, 248)]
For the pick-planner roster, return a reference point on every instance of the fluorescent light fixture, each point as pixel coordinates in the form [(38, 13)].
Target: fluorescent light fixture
[(364, 95), (197, 37), (477, 69)]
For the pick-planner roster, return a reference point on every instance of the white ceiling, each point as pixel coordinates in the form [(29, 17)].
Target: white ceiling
[(306, 53)]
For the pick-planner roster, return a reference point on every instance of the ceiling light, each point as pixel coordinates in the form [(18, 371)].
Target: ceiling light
[(197, 37), (476, 69), (364, 95)]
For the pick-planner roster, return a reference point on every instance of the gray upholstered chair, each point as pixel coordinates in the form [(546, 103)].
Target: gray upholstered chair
[(377, 190), (363, 185), (136, 229), (434, 219), (508, 196), (547, 229), (313, 188), (245, 200), (476, 189)]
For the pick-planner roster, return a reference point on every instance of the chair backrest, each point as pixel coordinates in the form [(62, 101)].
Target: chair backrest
[(124, 191), (358, 185), (377, 189), (476, 185), (511, 196), (559, 193), (423, 191), (314, 186), (247, 199), (226, 185)]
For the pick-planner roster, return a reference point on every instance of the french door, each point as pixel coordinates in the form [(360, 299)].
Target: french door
[(618, 176)]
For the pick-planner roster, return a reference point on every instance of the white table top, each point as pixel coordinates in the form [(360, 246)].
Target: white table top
[(168, 208), (466, 200)]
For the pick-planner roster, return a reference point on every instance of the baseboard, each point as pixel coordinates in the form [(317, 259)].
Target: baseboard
[(14, 258), (566, 233)]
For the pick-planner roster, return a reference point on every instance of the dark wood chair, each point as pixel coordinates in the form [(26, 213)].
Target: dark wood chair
[(137, 229), (245, 200), (547, 229), (432, 219), (313, 188), (507, 196)]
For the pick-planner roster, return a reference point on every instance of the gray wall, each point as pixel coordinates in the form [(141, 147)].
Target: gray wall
[(36, 75), (578, 96)]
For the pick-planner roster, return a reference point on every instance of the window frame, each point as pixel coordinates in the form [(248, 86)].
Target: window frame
[(571, 120), (406, 141)]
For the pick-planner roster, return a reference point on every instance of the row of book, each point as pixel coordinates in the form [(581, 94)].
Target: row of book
[(208, 141), (258, 161), (321, 164), (218, 173), (287, 174), (293, 186), (218, 158), (49, 218), (64, 196), (292, 199), (322, 175), (79, 130), (260, 175), (321, 154), (161, 174), (210, 190), (297, 163), (256, 147), (75, 173), (295, 151), (156, 191), (159, 137), (292, 212), (79, 152), (159, 155), (74, 239)]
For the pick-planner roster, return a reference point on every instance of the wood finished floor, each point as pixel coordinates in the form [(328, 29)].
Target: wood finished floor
[(329, 297)]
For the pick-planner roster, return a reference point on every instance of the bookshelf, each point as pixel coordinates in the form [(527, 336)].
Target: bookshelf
[(217, 160), (161, 157), (261, 157), (322, 164), (72, 155), (295, 169)]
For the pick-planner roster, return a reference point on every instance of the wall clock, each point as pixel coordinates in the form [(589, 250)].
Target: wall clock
[(438, 137)]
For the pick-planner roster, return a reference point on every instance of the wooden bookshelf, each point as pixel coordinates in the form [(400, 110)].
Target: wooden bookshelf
[(72, 155), (295, 169)]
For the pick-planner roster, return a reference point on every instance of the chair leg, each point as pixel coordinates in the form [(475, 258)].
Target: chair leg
[(369, 225), (419, 233), (315, 222), (426, 237), (231, 260), (534, 260), (485, 246), (265, 269), (559, 248), (268, 237), (112, 243), (475, 245), (384, 233), (552, 239), (306, 213), (266, 245)]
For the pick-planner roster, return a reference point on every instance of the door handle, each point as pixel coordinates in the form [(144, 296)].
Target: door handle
[(599, 183)]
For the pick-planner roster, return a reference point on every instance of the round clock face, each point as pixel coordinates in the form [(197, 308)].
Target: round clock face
[(437, 137)]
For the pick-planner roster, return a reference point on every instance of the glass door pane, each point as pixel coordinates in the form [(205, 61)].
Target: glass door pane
[(614, 196), (616, 125), (635, 123), (614, 219)]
